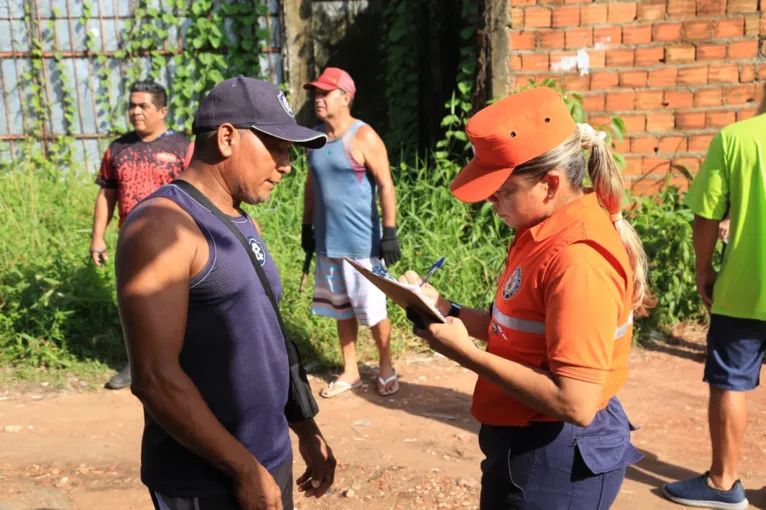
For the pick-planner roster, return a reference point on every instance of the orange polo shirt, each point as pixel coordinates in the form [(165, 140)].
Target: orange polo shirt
[(565, 305)]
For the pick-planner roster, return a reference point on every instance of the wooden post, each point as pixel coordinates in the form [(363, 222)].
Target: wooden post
[(500, 40), (299, 52)]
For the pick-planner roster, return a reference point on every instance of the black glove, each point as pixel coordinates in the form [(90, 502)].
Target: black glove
[(308, 243), (390, 251)]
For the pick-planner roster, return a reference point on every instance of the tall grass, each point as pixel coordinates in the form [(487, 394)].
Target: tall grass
[(57, 309)]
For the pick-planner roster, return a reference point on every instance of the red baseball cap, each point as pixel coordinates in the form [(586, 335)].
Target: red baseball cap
[(508, 133), (334, 78)]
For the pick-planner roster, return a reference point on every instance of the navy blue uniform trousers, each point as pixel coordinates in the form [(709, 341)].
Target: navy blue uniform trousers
[(556, 465)]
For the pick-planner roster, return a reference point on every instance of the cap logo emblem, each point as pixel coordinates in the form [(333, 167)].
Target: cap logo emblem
[(285, 104)]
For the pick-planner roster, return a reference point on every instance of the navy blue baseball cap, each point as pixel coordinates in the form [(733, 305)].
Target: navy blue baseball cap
[(249, 103)]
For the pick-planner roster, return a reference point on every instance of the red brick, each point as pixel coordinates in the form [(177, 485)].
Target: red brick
[(643, 144), (537, 17), (678, 99), (597, 59), (700, 143), (659, 121), (762, 73), (633, 79), (576, 82), (637, 34), (523, 40), (620, 101), (723, 73), (663, 77), (621, 12), (651, 12), (568, 16), (711, 51), (667, 32), (561, 60), (634, 123), (621, 146), (620, 58), (719, 119), (517, 17), (693, 75), (577, 1), (711, 7), (594, 14), (742, 49), (708, 97), (752, 25), (682, 8), (746, 73), (604, 80), (523, 3), (607, 36), (649, 56), (732, 27), (649, 99), (690, 120), (745, 114), (763, 24), (632, 166), (550, 39), (694, 30), (643, 186), (577, 38), (516, 62), (655, 165), (534, 62), (736, 6), (672, 144), (739, 94), (690, 164), (593, 102), (680, 54)]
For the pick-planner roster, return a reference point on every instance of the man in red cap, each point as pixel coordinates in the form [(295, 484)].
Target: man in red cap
[(340, 219)]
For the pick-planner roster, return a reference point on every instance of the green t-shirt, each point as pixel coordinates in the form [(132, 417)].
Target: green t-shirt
[(733, 176)]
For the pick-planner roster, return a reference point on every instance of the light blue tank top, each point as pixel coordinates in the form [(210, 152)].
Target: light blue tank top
[(346, 219)]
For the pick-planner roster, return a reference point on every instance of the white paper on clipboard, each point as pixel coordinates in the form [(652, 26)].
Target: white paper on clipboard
[(403, 294)]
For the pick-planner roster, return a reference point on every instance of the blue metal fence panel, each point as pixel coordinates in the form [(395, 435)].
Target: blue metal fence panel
[(57, 25)]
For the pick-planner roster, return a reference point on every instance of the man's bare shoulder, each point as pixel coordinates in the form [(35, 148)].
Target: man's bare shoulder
[(155, 225), (367, 135)]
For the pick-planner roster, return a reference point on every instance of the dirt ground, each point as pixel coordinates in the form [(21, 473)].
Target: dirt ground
[(415, 450)]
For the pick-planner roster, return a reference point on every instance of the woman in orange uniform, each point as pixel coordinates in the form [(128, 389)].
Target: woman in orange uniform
[(560, 328)]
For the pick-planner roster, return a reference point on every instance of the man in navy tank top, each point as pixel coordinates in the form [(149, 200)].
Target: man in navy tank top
[(340, 219), (208, 359)]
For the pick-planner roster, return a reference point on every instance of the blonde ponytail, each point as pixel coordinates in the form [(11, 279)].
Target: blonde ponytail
[(610, 190)]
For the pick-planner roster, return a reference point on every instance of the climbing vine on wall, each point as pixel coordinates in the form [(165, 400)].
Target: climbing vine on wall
[(401, 75), (189, 45)]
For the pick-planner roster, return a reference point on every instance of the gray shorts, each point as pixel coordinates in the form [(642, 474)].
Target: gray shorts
[(283, 475)]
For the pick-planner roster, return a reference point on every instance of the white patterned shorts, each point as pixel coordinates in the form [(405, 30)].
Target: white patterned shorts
[(341, 292)]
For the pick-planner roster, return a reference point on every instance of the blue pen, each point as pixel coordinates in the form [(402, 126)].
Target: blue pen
[(432, 270)]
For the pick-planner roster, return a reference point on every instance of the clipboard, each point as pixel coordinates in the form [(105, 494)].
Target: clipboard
[(403, 294)]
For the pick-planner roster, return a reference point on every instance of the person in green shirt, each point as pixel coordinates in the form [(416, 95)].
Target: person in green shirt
[(732, 178)]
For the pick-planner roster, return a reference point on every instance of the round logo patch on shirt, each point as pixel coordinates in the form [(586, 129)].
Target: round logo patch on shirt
[(514, 282), (285, 104), (257, 247), (166, 157)]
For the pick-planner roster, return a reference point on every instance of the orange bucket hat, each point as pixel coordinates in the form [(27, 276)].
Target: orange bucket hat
[(508, 133)]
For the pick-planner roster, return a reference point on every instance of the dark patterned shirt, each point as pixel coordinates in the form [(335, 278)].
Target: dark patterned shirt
[(136, 169)]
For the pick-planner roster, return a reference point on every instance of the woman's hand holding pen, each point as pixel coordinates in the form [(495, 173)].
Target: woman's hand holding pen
[(450, 339), (428, 290)]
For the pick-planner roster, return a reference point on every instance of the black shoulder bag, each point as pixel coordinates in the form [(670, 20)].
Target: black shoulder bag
[(301, 404)]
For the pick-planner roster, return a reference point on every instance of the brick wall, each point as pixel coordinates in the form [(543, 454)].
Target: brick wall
[(676, 71)]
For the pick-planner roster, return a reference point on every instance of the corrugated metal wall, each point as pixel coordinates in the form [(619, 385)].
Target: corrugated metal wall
[(57, 24)]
